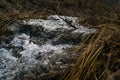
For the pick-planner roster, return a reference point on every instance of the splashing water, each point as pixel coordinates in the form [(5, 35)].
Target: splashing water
[(25, 55)]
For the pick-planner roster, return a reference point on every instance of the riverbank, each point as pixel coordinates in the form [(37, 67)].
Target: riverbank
[(99, 57)]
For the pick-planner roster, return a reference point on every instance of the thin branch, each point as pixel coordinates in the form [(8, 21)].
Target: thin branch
[(68, 22)]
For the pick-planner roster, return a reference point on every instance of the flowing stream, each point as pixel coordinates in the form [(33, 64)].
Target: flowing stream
[(37, 46)]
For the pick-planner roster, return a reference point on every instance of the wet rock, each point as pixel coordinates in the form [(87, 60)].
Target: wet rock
[(31, 30), (68, 39)]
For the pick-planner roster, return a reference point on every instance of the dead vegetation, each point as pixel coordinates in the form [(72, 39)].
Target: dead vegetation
[(100, 54), (100, 60)]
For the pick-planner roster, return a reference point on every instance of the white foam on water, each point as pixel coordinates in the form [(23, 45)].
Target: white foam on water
[(7, 61), (32, 49), (10, 65), (82, 29), (53, 22), (56, 49), (50, 25), (56, 17), (20, 40)]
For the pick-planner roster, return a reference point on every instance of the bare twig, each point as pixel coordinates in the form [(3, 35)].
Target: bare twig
[(68, 22)]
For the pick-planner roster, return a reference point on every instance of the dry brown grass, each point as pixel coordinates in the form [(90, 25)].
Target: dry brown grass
[(100, 55), (100, 60)]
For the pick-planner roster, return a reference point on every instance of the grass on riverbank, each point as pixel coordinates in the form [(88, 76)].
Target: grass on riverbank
[(100, 60), (100, 55)]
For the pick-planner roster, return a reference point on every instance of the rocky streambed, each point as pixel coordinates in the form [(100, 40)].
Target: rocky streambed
[(39, 47)]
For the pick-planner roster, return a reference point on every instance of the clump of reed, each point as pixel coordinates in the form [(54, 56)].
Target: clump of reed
[(100, 60)]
